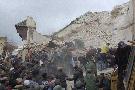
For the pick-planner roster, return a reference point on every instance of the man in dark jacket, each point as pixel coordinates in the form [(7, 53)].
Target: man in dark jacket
[(62, 77), (121, 56)]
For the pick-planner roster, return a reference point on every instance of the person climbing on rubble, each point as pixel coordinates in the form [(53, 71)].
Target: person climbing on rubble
[(91, 66), (83, 61), (121, 56), (102, 56), (111, 57)]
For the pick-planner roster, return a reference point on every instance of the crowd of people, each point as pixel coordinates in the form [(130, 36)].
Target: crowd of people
[(41, 71), (107, 57), (115, 58)]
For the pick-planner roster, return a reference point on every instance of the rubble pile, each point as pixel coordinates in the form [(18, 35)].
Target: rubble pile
[(94, 28)]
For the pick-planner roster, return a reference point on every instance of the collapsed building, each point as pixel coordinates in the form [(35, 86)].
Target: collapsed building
[(94, 28), (30, 37), (27, 31), (90, 29)]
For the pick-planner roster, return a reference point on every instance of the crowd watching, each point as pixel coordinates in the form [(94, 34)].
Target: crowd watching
[(16, 74)]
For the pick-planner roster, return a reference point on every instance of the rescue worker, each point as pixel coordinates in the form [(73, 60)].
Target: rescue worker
[(103, 53)]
